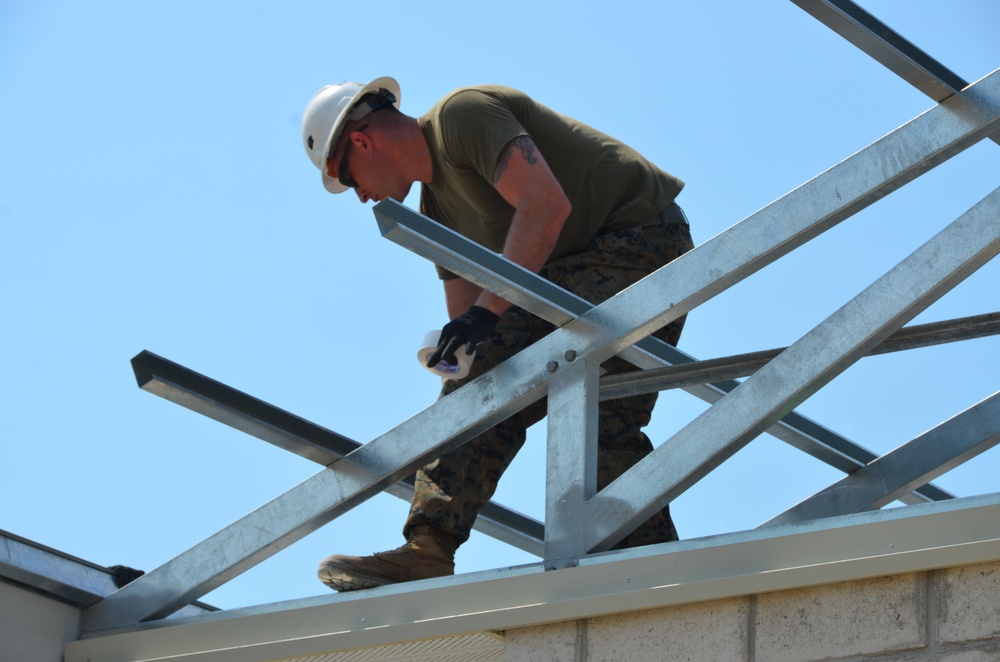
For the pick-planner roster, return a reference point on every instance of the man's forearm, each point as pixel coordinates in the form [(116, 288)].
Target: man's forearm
[(523, 178), (459, 295), (532, 238)]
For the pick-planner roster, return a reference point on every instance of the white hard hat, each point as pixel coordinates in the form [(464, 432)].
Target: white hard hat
[(329, 110)]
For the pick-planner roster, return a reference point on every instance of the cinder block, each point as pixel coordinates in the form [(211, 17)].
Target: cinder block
[(558, 642), (990, 653), (704, 631), (854, 618), (968, 608), (981, 653)]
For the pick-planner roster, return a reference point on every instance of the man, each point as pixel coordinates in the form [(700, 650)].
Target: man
[(553, 195)]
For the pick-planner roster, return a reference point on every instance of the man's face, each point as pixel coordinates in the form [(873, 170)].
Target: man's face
[(359, 165)]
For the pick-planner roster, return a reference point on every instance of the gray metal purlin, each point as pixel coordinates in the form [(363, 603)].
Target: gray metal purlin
[(744, 365), (598, 334)]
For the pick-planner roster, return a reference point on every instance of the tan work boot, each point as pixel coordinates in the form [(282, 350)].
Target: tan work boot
[(424, 556)]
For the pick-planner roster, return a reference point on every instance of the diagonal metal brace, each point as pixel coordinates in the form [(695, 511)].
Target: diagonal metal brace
[(935, 452)]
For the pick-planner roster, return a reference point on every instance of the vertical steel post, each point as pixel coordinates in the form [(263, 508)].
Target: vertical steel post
[(571, 458)]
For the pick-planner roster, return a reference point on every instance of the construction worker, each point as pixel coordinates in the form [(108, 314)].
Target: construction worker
[(552, 194)]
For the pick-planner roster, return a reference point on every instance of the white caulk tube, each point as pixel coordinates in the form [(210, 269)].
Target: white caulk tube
[(443, 369)]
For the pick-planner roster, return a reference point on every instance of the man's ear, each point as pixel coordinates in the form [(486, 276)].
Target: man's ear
[(362, 140)]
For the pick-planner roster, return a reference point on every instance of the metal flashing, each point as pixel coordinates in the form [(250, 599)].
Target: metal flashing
[(61, 576), (894, 541)]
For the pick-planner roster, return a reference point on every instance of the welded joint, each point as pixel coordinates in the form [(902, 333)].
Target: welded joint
[(562, 563)]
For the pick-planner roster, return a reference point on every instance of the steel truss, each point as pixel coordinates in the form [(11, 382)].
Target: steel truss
[(564, 366)]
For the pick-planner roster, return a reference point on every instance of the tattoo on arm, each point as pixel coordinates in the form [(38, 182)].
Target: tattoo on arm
[(523, 144)]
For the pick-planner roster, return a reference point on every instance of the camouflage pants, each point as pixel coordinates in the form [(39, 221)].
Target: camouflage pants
[(451, 490)]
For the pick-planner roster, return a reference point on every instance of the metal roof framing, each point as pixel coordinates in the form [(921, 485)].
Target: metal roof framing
[(832, 536)]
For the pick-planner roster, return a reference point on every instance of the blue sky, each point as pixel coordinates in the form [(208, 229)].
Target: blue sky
[(155, 195)]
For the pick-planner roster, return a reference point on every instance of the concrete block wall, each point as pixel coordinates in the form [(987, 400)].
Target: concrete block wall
[(951, 615)]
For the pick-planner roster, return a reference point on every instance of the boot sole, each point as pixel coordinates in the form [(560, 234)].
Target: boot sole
[(343, 579)]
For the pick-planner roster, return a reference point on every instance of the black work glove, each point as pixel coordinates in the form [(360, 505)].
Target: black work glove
[(466, 329)]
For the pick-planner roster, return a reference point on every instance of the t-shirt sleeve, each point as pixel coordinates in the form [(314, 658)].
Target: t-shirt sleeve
[(476, 126)]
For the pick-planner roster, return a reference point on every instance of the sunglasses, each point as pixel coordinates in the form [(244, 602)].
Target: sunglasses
[(343, 174)]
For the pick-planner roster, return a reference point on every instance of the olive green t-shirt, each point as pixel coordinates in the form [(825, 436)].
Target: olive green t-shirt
[(609, 184)]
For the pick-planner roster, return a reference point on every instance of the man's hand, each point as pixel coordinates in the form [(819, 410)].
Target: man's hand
[(466, 329)]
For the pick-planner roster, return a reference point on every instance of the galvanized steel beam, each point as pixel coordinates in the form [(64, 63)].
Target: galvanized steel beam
[(798, 372), (558, 306), (257, 418), (571, 458), (886, 46), (935, 452), (744, 365)]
